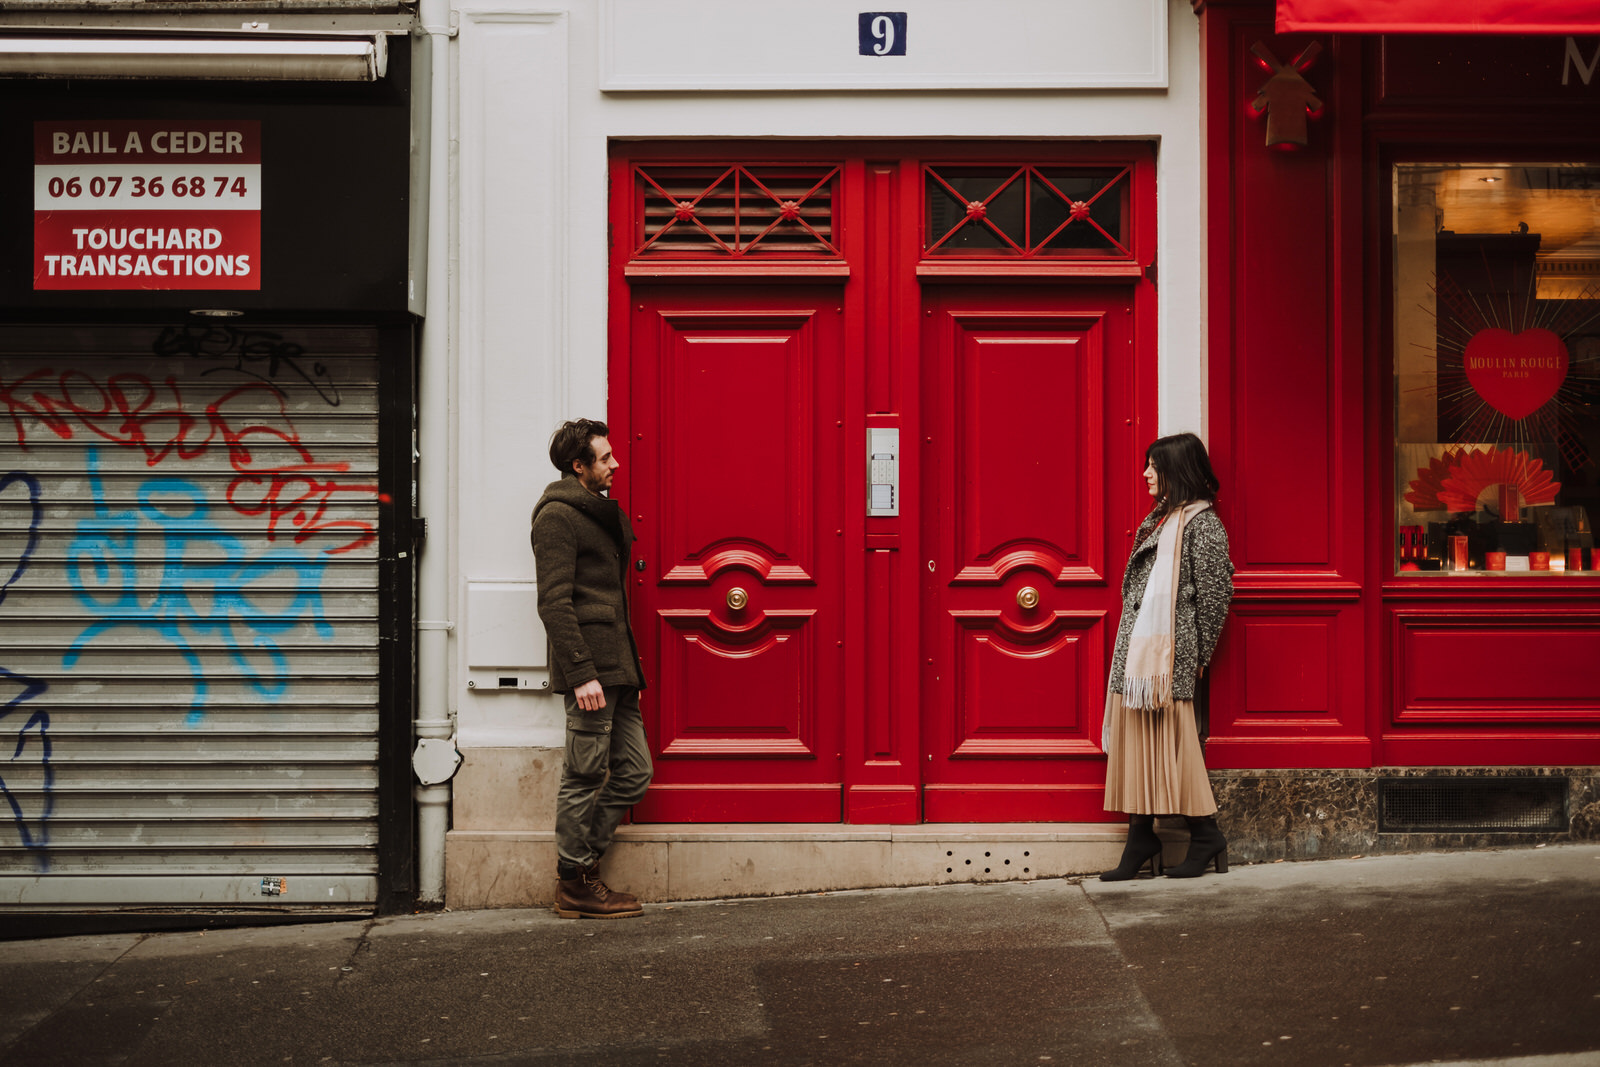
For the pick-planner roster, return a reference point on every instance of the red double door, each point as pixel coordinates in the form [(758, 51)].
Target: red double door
[(809, 662)]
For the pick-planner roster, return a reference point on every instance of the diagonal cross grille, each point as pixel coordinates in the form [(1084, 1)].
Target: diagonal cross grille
[(736, 211), (1026, 211)]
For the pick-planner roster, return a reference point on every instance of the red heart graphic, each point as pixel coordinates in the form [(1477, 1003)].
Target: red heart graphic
[(1516, 374)]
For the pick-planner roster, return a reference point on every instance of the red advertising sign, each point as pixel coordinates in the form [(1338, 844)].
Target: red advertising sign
[(147, 204)]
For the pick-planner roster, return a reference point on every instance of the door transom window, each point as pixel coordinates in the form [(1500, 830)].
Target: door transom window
[(735, 211), (1026, 211)]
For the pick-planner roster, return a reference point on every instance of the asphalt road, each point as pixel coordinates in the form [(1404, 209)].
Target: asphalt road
[(1457, 957)]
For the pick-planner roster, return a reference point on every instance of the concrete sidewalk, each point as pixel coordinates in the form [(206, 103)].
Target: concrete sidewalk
[(1457, 957)]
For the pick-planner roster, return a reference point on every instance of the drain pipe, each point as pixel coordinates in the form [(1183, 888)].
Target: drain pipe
[(436, 758)]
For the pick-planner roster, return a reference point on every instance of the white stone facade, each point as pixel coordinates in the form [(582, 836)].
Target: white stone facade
[(530, 119)]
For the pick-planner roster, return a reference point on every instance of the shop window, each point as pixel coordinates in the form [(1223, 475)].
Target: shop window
[(735, 211), (1496, 368), (1026, 211)]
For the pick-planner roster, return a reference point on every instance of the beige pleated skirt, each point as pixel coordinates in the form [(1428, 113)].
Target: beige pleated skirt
[(1154, 765)]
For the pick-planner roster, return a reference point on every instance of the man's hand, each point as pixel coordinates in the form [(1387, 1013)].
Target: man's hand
[(591, 695)]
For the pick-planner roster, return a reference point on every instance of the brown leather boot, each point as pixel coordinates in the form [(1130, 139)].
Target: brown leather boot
[(587, 897), (616, 896)]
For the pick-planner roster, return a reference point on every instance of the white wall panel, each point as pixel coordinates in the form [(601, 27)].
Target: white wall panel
[(945, 44), (513, 360)]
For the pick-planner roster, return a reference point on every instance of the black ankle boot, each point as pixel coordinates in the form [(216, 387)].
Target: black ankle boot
[(1206, 844), (1143, 844)]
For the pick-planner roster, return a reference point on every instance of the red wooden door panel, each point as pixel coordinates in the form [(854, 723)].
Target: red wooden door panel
[(734, 425), (846, 680), (1028, 494)]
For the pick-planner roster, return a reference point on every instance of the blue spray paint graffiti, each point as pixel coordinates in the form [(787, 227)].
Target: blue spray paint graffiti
[(36, 837), (163, 565), (204, 587)]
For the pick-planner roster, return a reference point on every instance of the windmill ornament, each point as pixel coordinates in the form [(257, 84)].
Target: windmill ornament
[(1287, 99)]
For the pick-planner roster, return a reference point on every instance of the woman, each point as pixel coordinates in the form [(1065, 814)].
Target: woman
[(1175, 598)]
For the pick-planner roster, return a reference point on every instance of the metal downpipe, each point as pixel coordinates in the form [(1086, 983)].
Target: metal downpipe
[(435, 396)]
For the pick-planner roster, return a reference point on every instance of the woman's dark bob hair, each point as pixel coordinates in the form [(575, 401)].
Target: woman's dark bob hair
[(1183, 471)]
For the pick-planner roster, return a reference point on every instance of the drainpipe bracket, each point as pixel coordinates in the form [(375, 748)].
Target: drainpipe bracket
[(436, 760)]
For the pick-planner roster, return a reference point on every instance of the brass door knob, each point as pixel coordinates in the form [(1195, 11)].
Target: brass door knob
[(737, 599), (1027, 598)]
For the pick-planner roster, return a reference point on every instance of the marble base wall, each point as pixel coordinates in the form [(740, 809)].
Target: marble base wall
[(1273, 815), (516, 869), (500, 851), (506, 789)]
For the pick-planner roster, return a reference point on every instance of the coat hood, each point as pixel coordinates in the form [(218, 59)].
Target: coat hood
[(602, 510)]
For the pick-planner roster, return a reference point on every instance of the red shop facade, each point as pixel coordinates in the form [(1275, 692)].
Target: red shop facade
[(1403, 326)]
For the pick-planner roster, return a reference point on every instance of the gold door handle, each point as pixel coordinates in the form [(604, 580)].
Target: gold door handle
[(1027, 598), (737, 599)]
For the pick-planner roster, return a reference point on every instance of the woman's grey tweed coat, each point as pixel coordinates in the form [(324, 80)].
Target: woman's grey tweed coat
[(1205, 588)]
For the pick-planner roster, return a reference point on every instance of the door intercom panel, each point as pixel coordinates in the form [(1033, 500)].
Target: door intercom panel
[(883, 471)]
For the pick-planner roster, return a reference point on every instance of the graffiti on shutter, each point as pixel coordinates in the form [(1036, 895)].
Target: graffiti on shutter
[(189, 614)]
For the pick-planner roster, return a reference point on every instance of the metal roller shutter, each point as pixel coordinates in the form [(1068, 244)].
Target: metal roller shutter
[(189, 617)]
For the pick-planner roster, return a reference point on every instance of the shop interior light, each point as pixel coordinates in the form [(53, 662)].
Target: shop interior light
[(239, 57)]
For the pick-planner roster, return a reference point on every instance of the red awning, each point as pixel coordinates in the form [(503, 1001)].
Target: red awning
[(1439, 16)]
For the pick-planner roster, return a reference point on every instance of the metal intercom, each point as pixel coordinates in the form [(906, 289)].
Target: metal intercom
[(883, 471)]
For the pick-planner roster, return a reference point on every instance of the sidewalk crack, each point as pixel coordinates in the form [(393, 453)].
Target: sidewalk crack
[(1152, 1021), (352, 962)]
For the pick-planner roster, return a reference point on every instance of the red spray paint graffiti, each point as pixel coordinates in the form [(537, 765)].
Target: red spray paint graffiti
[(278, 477)]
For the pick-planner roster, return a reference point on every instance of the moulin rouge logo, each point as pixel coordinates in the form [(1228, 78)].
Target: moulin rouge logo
[(1516, 374)]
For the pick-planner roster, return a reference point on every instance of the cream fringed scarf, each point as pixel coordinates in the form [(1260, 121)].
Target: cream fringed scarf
[(1147, 677)]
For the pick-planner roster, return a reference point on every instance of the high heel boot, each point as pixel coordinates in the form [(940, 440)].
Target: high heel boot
[(1206, 845), (1143, 844)]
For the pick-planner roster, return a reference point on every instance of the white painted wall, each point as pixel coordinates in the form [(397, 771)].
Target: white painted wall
[(530, 131)]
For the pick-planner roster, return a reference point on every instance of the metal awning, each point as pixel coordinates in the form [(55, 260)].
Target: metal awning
[(235, 57), (1571, 17)]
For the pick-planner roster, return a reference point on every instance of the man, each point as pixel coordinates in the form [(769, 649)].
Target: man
[(581, 546)]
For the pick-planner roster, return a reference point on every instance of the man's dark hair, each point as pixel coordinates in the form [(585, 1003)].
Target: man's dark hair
[(574, 440), (1183, 471)]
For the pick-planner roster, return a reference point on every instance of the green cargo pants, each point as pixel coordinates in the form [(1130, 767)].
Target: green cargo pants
[(606, 772)]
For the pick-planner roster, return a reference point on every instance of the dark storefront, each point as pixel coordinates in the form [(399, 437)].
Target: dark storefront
[(206, 361)]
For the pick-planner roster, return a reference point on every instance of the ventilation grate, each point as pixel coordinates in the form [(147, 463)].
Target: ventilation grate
[(736, 211), (1449, 805)]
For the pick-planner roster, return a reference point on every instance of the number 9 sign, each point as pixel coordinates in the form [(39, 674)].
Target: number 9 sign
[(883, 33)]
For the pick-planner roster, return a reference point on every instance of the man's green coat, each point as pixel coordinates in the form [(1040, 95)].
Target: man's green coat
[(582, 543)]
